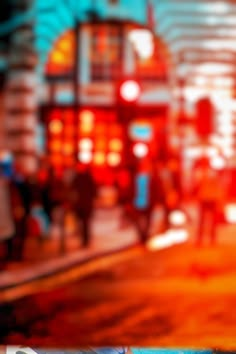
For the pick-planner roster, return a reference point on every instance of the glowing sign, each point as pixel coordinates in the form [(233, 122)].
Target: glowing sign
[(140, 131)]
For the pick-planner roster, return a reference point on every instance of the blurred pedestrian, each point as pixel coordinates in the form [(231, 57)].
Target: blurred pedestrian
[(7, 228), (20, 203), (143, 198), (79, 193), (209, 192), (86, 191)]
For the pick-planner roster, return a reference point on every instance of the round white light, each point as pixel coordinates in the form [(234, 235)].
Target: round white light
[(85, 144), (217, 163), (130, 90), (140, 150), (85, 156), (177, 218)]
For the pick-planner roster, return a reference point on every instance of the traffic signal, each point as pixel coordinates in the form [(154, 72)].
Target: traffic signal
[(128, 91), (204, 117)]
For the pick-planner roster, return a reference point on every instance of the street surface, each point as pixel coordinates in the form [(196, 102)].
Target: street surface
[(182, 296)]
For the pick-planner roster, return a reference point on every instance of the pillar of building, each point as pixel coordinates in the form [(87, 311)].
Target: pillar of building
[(21, 90)]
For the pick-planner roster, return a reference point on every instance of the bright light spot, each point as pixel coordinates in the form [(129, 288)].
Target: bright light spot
[(68, 149), (217, 163), (65, 44), (85, 156), (99, 158), (212, 68), (86, 116), (58, 57), (86, 144), (177, 218), (170, 238), (226, 129), (86, 127), (227, 141), (192, 94), (211, 151), (115, 145), (223, 81), (215, 139), (113, 159), (230, 213), (193, 152), (140, 150), (228, 152), (200, 80), (55, 126), (130, 90), (142, 40)]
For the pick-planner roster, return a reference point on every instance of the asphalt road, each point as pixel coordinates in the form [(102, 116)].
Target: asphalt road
[(180, 297)]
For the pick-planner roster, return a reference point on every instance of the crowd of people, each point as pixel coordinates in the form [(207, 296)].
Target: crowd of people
[(139, 189)]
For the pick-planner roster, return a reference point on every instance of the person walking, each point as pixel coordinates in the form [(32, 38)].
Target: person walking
[(85, 189), (79, 193), (7, 228), (142, 199), (210, 197)]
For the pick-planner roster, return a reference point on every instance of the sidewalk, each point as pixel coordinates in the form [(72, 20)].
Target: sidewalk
[(42, 258), (45, 258)]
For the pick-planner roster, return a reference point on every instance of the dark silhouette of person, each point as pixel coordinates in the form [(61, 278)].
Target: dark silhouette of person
[(210, 195), (143, 198), (79, 194), (86, 191), (20, 201)]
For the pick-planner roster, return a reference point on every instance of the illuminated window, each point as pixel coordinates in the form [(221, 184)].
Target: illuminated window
[(86, 116), (85, 156), (85, 127), (85, 144), (115, 145), (113, 159), (61, 58), (99, 158), (68, 149), (55, 126)]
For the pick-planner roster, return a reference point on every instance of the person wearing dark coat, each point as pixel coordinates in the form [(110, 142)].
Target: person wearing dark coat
[(79, 194)]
